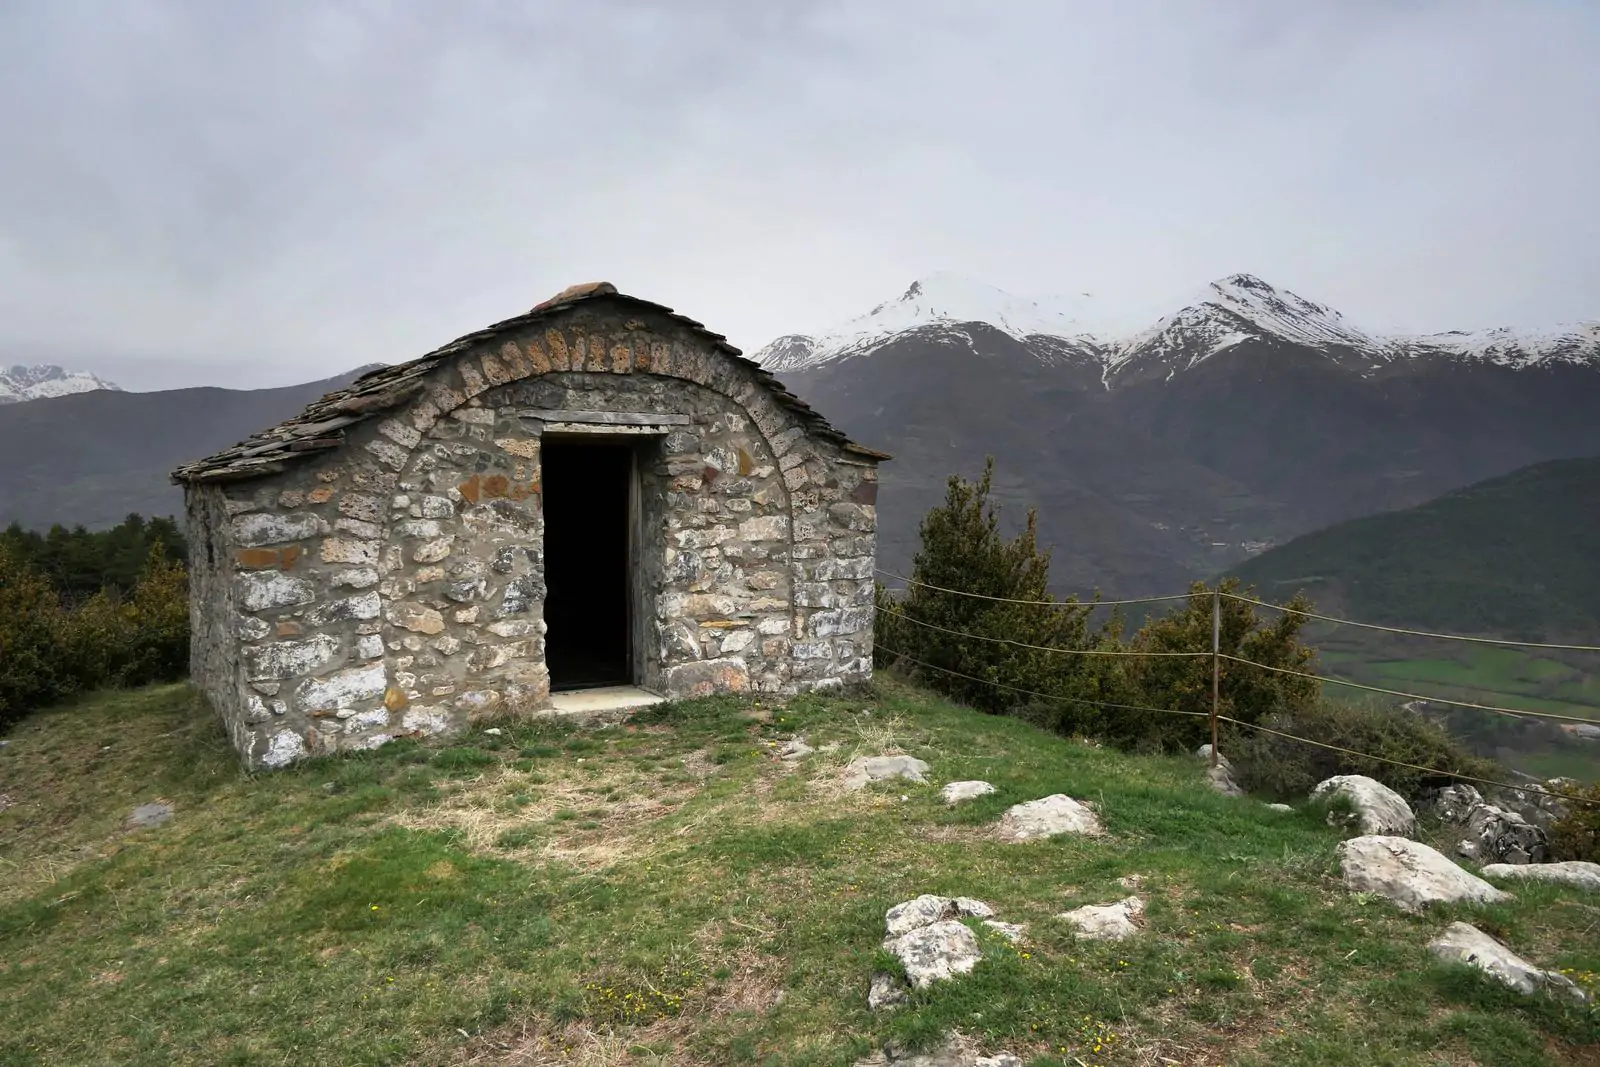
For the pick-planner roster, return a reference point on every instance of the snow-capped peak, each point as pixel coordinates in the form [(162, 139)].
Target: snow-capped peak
[(20, 383), (937, 300), (1186, 331)]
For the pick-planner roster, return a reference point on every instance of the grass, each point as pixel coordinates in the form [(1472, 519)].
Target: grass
[(668, 892)]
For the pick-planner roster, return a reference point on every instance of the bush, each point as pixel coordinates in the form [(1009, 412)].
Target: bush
[(1285, 768), (1576, 835), (32, 671), (972, 641), (1183, 683), (49, 651)]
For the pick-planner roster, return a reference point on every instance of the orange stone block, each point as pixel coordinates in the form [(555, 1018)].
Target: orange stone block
[(320, 495), (496, 485), (471, 489), (621, 357), (395, 698), (559, 359), (257, 558)]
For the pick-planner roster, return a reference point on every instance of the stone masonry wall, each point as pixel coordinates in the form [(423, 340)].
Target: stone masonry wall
[(396, 585)]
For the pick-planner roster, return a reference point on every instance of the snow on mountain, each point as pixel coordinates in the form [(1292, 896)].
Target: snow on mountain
[(939, 301), (1228, 312), (20, 383)]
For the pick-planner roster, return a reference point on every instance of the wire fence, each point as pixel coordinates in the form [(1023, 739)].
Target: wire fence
[(1218, 657)]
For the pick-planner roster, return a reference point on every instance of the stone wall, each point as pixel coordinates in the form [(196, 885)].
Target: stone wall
[(396, 585)]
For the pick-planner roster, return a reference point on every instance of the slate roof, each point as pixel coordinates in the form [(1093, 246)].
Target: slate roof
[(322, 425)]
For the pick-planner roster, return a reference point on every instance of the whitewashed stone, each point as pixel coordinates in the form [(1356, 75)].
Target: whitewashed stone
[(1047, 817), (956, 792), (255, 530), (285, 747), (357, 578), (1465, 944), (1380, 811), (1107, 922), (369, 646), (283, 660), (342, 689), (865, 769), (345, 550), (425, 721), (261, 590), (433, 551), (375, 719), (1579, 874), (1410, 873), (250, 628)]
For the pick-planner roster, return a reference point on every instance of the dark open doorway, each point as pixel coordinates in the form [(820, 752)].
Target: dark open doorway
[(587, 516)]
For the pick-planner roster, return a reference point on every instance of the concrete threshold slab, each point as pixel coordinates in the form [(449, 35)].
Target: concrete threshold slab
[(597, 703)]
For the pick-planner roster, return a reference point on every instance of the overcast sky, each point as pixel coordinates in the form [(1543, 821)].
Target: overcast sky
[(259, 194)]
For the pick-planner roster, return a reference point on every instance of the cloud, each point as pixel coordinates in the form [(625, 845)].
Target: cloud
[(260, 194)]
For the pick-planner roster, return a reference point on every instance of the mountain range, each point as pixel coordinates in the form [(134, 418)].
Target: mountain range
[(92, 458), (1161, 452), (1156, 449), (20, 383)]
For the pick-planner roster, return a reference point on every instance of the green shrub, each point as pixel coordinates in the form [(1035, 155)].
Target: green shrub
[(1576, 835), (32, 672), (1183, 683), (1282, 767), (49, 651)]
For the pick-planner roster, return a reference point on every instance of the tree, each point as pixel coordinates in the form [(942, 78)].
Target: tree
[(978, 615)]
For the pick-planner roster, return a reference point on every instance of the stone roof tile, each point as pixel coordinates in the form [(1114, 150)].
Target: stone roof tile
[(321, 426)]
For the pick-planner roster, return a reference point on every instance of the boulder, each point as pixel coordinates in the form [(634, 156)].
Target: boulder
[(956, 792), (1379, 810), (1220, 778), (1495, 835), (865, 769), (1454, 803), (1107, 922), (928, 909), (887, 992), (1279, 807), (1577, 873), (1047, 817), (1465, 944), (1410, 873), (1204, 752), (936, 952)]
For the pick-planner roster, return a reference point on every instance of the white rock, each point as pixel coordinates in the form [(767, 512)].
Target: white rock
[(1220, 778), (795, 749), (343, 688), (1204, 753), (936, 952), (956, 792), (928, 909), (285, 747), (887, 992), (1466, 944), (1577, 873), (1379, 809), (1454, 803), (1047, 817), (1410, 873), (260, 590), (1107, 922), (1014, 932), (1279, 807), (865, 769)]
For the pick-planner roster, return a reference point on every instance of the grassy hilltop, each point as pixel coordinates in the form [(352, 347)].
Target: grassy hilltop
[(670, 892)]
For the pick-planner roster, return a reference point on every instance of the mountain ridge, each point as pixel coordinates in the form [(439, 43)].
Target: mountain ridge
[(20, 383), (1225, 313)]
